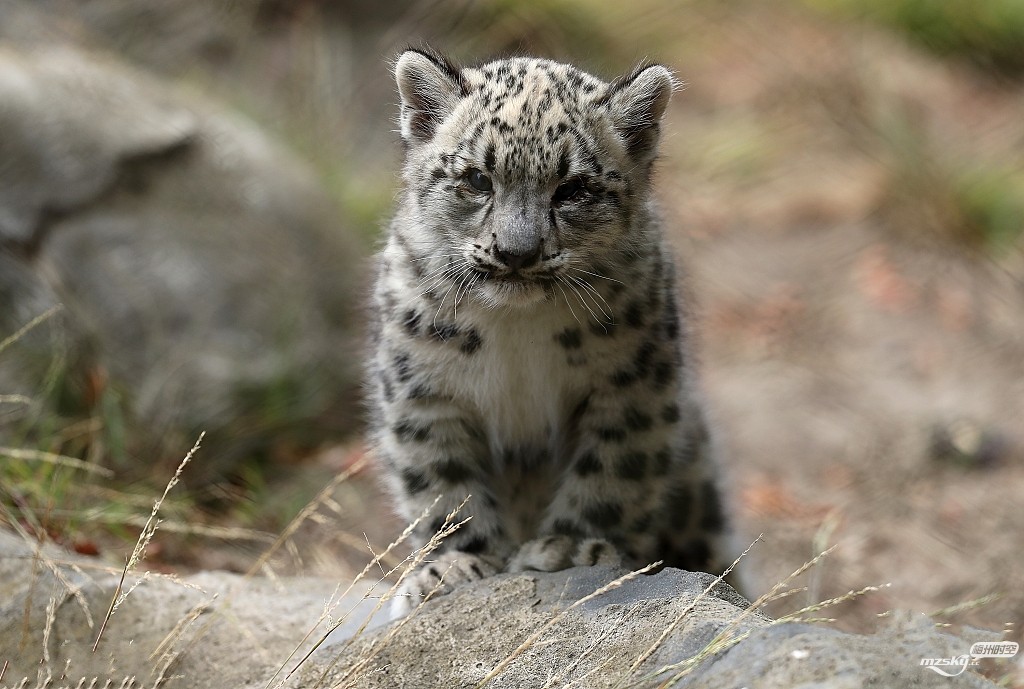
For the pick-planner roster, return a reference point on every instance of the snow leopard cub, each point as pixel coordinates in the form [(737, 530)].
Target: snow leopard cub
[(529, 348)]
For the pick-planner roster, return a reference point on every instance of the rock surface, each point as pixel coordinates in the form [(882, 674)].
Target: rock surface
[(205, 280), (220, 630)]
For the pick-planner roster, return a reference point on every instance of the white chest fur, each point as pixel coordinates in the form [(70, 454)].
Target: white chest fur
[(519, 383)]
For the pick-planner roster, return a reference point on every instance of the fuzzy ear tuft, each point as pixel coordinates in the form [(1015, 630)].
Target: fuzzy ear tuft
[(430, 87), (636, 106)]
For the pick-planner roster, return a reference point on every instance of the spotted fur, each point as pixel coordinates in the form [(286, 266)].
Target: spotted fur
[(529, 347)]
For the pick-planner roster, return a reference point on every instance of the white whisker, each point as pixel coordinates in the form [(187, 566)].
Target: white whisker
[(594, 296), (441, 303), (448, 274), (433, 256), (558, 281), (597, 275), (583, 301)]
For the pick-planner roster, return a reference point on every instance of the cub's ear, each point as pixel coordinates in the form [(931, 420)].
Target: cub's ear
[(430, 86), (636, 104)]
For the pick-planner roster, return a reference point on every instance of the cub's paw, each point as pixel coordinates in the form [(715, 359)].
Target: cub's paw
[(443, 573), (555, 553)]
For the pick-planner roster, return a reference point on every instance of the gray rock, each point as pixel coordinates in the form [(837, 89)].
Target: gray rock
[(205, 279), (212, 629), (219, 630)]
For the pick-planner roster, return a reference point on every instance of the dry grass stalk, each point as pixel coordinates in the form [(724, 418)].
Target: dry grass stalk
[(51, 617), (223, 533), (304, 514), (53, 458), (409, 565), (726, 638), (163, 653), (966, 606), (500, 667), (569, 669), (21, 332), (687, 610), (377, 646), (50, 564), (139, 552), (261, 564), (331, 606)]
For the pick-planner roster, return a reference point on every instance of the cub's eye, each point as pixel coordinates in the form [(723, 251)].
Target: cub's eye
[(568, 190), (478, 180)]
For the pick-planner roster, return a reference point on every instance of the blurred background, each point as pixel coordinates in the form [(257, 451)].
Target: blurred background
[(190, 191)]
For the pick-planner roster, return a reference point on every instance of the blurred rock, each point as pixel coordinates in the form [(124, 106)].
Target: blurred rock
[(222, 630), (207, 282), (966, 444)]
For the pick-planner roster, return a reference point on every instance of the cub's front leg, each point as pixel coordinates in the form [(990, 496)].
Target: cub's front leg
[(640, 483), (430, 448), (609, 491)]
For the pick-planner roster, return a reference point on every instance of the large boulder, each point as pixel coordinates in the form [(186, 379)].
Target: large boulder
[(215, 630), (207, 281)]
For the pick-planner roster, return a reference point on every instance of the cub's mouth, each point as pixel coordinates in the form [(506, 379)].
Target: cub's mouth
[(515, 277), (514, 288)]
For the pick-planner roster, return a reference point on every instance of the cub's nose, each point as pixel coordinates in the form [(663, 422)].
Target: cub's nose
[(516, 259)]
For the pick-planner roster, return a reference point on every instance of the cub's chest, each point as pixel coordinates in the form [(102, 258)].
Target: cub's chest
[(526, 376)]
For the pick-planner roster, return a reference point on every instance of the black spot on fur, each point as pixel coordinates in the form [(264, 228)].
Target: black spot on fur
[(637, 420), (642, 360), (604, 515), (570, 338), (434, 525), (445, 332), (612, 434), (419, 392), (453, 470), (662, 462), (414, 480), (641, 366), (711, 517), (403, 371), (587, 464), (567, 527), (634, 315), (594, 551), (671, 322), (563, 165), (471, 342), (694, 555), (578, 411), (406, 431), (411, 322), (623, 378), (642, 523), (663, 375), (679, 502), (476, 544), (670, 413), (489, 158), (632, 466)]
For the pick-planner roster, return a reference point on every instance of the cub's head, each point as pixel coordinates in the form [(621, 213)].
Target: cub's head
[(525, 175)]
